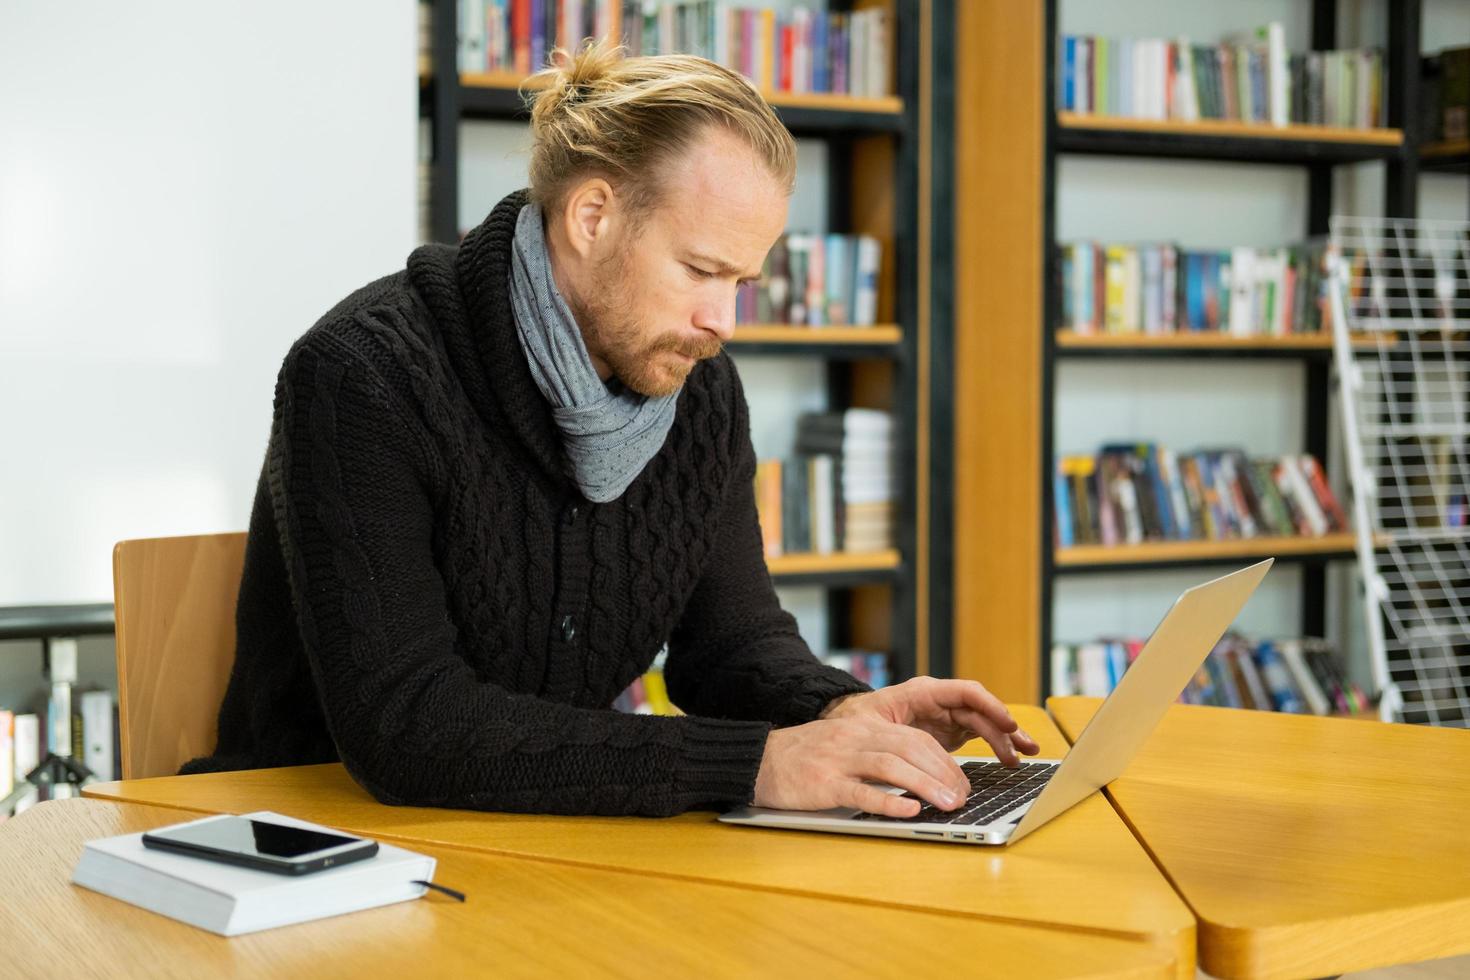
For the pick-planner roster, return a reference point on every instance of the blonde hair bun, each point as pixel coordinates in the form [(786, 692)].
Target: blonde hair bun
[(596, 112)]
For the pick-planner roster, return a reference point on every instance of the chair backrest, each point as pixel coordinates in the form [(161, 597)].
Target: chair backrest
[(175, 603)]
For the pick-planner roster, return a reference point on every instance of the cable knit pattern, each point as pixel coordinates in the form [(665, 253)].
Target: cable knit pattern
[(428, 598)]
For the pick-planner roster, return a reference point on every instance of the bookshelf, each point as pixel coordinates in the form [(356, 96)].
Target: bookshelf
[(1012, 139), (880, 183)]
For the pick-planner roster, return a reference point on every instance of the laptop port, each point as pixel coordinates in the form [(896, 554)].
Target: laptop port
[(954, 836), (930, 833)]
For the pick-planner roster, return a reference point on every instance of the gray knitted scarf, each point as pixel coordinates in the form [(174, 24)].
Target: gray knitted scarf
[(608, 433)]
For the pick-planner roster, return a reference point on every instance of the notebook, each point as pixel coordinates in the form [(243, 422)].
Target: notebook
[(231, 900)]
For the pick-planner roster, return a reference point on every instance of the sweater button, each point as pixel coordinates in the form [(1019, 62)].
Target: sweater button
[(572, 514), (568, 629)]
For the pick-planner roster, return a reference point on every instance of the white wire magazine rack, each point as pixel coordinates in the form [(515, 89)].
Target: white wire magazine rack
[(1399, 300)]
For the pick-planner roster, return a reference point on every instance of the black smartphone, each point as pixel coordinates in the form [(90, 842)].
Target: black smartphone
[(260, 844)]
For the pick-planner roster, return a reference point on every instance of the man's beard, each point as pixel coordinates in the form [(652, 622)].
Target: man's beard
[(612, 331)]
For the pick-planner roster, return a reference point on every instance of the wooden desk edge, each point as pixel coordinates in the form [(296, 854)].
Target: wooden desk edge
[(1233, 949), (1179, 944)]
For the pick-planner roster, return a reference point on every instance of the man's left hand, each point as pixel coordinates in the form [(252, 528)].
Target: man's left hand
[(953, 711)]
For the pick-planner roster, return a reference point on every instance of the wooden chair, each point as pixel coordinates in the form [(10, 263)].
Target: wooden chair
[(175, 602)]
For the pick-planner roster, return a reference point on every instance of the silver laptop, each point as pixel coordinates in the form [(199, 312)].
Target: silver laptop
[(1007, 804)]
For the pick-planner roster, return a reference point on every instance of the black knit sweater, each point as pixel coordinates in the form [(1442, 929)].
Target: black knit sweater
[(428, 598)]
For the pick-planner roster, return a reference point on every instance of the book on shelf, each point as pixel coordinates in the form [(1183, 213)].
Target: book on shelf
[(648, 694), (816, 281), (8, 777), (1129, 493), (1444, 96), (1159, 289), (800, 49), (1250, 78), (1294, 676), (867, 666), (838, 493)]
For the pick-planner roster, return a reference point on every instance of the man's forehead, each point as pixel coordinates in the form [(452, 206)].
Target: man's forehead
[(721, 175)]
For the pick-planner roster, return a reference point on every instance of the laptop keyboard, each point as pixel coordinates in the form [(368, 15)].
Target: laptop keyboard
[(994, 790)]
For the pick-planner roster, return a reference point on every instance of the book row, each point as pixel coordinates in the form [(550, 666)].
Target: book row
[(1296, 676), (1131, 493), (816, 281), (837, 493), (796, 50), (1159, 288), (1249, 79), (25, 736)]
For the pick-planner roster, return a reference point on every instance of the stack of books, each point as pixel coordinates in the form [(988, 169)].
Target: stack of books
[(838, 493), (1136, 492), (1250, 79), (1298, 676), (816, 281), (1158, 289), (795, 50)]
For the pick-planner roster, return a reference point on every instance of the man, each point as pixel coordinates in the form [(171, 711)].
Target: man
[(500, 480)]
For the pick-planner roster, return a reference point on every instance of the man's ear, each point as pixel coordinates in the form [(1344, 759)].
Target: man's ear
[(587, 216)]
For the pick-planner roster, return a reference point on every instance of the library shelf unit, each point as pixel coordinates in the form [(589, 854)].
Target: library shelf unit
[(1012, 139), (888, 176)]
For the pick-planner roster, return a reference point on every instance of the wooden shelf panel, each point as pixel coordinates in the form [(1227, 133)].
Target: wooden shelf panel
[(497, 95), (1122, 344), (1215, 139), (835, 564), (1186, 552), (1446, 156), (1445, 148), (1230, 127), (778, 333), (891, 104)]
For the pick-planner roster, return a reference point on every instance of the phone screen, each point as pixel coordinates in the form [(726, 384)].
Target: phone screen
[(255, 838)]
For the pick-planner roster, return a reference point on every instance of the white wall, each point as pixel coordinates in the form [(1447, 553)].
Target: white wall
[(184, 188)]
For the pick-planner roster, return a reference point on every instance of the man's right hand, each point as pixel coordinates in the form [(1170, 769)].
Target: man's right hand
[(824, 764)]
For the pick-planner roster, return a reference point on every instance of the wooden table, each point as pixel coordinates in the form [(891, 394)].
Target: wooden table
[(1306, 846), (1083, 873), (523, 918)]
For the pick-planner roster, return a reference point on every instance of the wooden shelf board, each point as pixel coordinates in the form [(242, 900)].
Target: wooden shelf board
[(1070, 340), (811, 564), (892, 104), (777, 333), (1184, 551), (1445, 148), (1232, 128)]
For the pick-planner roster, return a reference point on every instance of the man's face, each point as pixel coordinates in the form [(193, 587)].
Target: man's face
[(662, 296)]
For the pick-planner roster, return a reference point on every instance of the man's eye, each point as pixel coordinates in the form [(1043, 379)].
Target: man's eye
[(697, 272)]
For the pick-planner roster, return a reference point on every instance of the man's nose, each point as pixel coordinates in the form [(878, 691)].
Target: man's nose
[(719, 321)]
